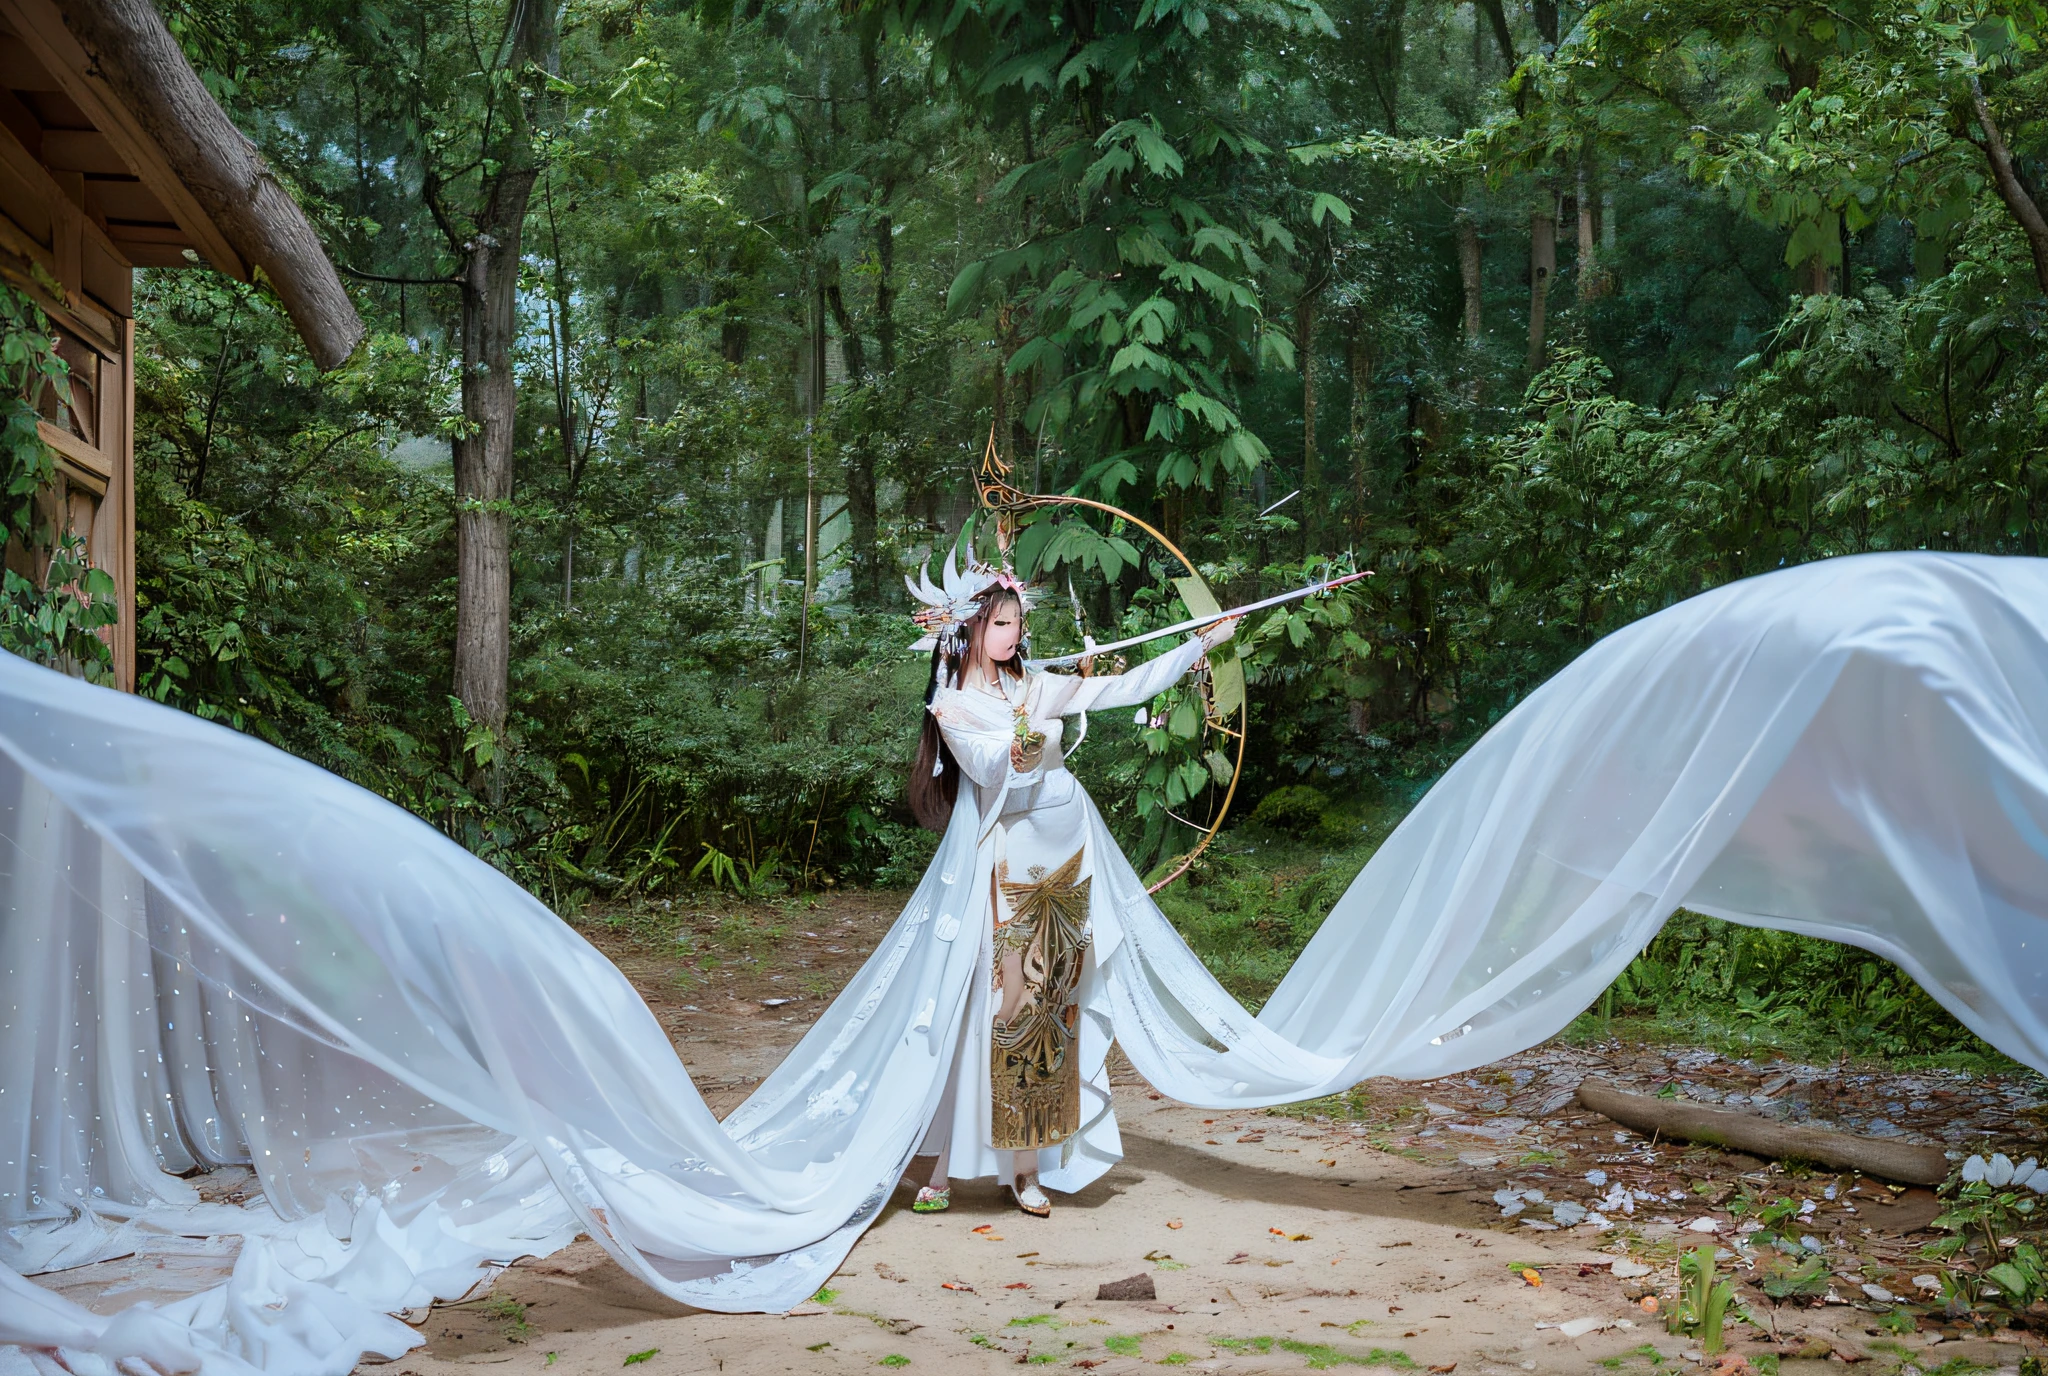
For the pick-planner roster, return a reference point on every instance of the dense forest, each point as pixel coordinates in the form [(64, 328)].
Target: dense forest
[(690, 324)]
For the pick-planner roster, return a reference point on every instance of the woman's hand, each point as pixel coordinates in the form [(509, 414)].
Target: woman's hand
[(1215, 635)]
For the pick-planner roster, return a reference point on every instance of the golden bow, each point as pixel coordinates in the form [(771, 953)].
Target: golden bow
[(1222, 688)]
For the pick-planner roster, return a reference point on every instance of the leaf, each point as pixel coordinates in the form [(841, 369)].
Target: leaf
[(966, 287), (1135, 356), (2011, 1280), (1326, 204)]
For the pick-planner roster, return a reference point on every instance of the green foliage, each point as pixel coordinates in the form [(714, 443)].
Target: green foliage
[(1296, 809), (1994, 1234), (1706, 978), (1703, 1300), (51, 615), (1082, 239)]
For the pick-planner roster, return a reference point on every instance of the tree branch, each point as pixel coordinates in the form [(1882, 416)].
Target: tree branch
[(2011, 189), (361, 276)]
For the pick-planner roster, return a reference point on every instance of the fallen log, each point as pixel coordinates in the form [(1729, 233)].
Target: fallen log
[(1765, 1137)]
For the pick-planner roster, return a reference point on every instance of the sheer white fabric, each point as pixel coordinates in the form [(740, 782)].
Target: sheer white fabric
[(211, 952)]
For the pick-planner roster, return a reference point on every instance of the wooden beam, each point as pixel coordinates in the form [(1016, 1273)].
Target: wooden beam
[(119, 53), (39, 243), (158, 255), (82, 150), (96, 468), (41, 26), (125, 200), (21, 72)]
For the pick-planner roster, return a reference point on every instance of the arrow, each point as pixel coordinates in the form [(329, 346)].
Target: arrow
[(1196, 623)]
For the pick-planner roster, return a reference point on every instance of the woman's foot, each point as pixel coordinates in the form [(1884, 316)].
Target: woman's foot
[(1024, 1189), (932, 1201)]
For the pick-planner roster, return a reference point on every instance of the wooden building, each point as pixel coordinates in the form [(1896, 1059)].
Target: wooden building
[(113, 156)]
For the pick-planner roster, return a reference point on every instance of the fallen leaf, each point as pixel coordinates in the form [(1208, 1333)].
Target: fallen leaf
[(1532, 1276), (1211, 1142), (986, 1227), (1174, 1223), (1018, 1285), (1446, 1369), (1277, 1232), (956, 1285), (1022, 1255), (1240, 1258), (1253, 1137), (1326, 1163), (1649, 1304), (1299, 1237)]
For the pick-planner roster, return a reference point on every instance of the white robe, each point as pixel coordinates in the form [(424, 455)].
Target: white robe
[(1039, 818), (211, 951)]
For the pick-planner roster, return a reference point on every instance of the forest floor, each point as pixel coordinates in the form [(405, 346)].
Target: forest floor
[(1403, 1226)]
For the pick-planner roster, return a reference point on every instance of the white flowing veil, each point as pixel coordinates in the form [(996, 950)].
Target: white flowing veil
[(211, 951)]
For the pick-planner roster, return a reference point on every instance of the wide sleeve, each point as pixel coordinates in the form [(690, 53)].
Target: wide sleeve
[(982, 748), (1068, 694)]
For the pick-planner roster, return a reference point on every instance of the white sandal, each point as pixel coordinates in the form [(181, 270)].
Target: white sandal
[(1029, 1197)]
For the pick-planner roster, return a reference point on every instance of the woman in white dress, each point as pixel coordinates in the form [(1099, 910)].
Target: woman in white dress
[(1027, 1086)]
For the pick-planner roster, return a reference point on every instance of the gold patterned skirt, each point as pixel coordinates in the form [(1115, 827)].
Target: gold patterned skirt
[(1034, 1060)]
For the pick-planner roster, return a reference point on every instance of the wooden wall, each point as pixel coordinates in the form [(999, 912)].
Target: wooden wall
[(65, 194)]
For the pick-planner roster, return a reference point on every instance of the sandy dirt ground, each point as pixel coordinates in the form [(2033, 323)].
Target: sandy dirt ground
[(1480, 1224), (1394, 1229)]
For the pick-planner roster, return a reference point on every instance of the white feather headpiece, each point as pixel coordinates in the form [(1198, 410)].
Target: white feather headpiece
[(945, 605)]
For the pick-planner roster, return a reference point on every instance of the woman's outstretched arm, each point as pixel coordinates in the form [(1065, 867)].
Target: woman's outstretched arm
[(1068, 694)]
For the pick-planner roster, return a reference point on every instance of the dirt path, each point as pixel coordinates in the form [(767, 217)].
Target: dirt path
[(1400, 1228)]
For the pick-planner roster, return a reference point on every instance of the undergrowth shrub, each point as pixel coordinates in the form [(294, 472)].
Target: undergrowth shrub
[(1750, 987)]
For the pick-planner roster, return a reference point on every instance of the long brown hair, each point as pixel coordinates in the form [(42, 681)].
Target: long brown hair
[(934, 773)]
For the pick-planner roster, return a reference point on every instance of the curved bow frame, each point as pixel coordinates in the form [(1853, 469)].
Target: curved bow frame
[(998, 495)]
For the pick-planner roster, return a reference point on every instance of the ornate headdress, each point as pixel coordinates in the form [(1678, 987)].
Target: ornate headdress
[(945, 607)]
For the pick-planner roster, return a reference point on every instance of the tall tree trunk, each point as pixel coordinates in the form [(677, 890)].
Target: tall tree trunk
[(885, 293), (1504, 39), (863, 559), (815, 403), (1469, 269), (1311, 461), (483, 453), (1815, 276), (1360, 365), (1542, 268), (1592, 269)]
